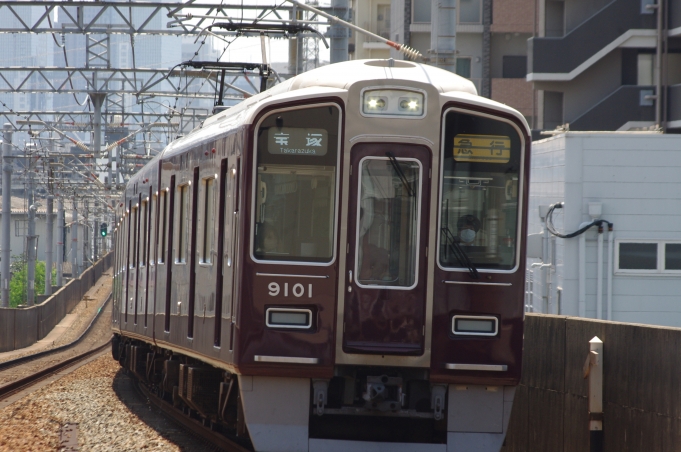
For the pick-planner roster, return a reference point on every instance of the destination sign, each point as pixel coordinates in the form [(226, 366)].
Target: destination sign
[(297, 141), (482, 148)]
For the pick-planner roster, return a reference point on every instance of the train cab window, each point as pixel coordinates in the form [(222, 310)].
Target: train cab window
[(296, 185), (144, 234), (387, 222), (182, 223), (208, 220), (479, 185), (163, 205)]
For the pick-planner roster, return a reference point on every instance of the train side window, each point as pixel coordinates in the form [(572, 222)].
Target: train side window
[(163, 208), (182, 218), (144, 234), (152, 229), (208, 220), (133, 245), (480, 187), (296, 185)]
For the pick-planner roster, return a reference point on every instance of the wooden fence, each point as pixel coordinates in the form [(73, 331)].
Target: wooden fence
[(641, 387)]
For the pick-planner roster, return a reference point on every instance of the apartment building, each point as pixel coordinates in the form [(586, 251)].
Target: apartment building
[(596, 65), (482, 40)]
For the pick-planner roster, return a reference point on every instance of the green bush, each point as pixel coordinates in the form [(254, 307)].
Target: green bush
[(18, 285)]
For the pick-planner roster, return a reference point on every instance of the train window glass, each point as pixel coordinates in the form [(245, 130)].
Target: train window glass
[(152, 229), (208, 220), (295, 188), (183, 214), (387, 222), (163, 221), (133, 247), (479, 185), (144, 234)]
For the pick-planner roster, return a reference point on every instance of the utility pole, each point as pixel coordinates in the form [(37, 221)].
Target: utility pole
[(60, 242), (338, 33), (95, 234), (30, 241), (86, 237), (49, 245), (74, 241), (6, 211)]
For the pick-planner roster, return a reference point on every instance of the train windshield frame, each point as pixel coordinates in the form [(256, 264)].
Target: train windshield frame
[(296, 185), (480, 192)]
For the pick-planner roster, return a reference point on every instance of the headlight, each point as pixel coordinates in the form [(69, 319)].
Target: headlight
[(393, 103)]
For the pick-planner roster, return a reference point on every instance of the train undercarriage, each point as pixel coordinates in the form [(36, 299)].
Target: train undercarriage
[(365, 406)]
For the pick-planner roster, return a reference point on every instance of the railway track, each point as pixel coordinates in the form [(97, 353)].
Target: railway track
[(195, 427), (50, 362)]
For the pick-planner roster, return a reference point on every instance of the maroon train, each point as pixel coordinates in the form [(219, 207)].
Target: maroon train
[(334, 264)]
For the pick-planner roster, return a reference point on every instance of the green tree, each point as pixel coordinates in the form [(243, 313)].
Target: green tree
[(18, 284)]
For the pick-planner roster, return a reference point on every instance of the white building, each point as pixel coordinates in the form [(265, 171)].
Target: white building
[(634, 178)]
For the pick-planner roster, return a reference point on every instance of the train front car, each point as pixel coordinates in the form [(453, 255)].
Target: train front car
[(335, 264), (382, 277)]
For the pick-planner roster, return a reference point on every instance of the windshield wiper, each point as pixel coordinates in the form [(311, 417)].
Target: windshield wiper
[(459, 252), (398, 170)]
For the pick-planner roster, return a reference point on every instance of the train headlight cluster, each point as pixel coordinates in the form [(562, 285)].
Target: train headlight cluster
[(396, 103)]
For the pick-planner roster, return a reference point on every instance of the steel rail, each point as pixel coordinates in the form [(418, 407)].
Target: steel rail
[(26, 382)]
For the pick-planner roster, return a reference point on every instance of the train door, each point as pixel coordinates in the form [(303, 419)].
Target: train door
[(385, 302)]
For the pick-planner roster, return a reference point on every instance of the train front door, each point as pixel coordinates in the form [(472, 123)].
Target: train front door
[(385, 300)]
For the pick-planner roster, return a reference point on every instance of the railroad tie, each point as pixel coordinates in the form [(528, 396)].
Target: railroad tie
[(68, 438)]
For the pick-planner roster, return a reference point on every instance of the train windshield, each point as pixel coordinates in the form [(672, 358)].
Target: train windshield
[(479, 187), (295, 188)]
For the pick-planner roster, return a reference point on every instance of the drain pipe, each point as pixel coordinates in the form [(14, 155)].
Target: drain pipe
[(582, 274), (611, 257), (599, 276)]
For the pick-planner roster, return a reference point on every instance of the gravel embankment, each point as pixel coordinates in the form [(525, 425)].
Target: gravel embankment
[(97, 397)]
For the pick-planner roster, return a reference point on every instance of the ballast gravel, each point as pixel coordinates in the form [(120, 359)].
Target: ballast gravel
[(93, 397)]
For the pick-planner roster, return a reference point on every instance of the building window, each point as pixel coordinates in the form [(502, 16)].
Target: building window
[(463, 67), (470, 11), (383, 21), (646, 74), (648, 257), (421, 11), (514, 66), (20, 228)]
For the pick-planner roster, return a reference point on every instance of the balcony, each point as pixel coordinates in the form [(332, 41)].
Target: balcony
[(626, 104), (563, 58)]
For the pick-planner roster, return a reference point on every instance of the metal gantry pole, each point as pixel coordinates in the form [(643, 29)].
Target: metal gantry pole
[(60, 242), (6, 212), (74, 241), (95, 234), (30, 242), (339, 34), (86, 237), (49, 244)]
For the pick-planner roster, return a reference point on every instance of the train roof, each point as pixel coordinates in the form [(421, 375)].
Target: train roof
[(338, 77)]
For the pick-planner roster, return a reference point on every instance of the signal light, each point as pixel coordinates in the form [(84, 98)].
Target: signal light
[(103, 229)]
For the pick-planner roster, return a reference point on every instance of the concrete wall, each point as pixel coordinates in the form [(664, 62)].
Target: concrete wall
[(20, 328), (641, 397), (635, 176)]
